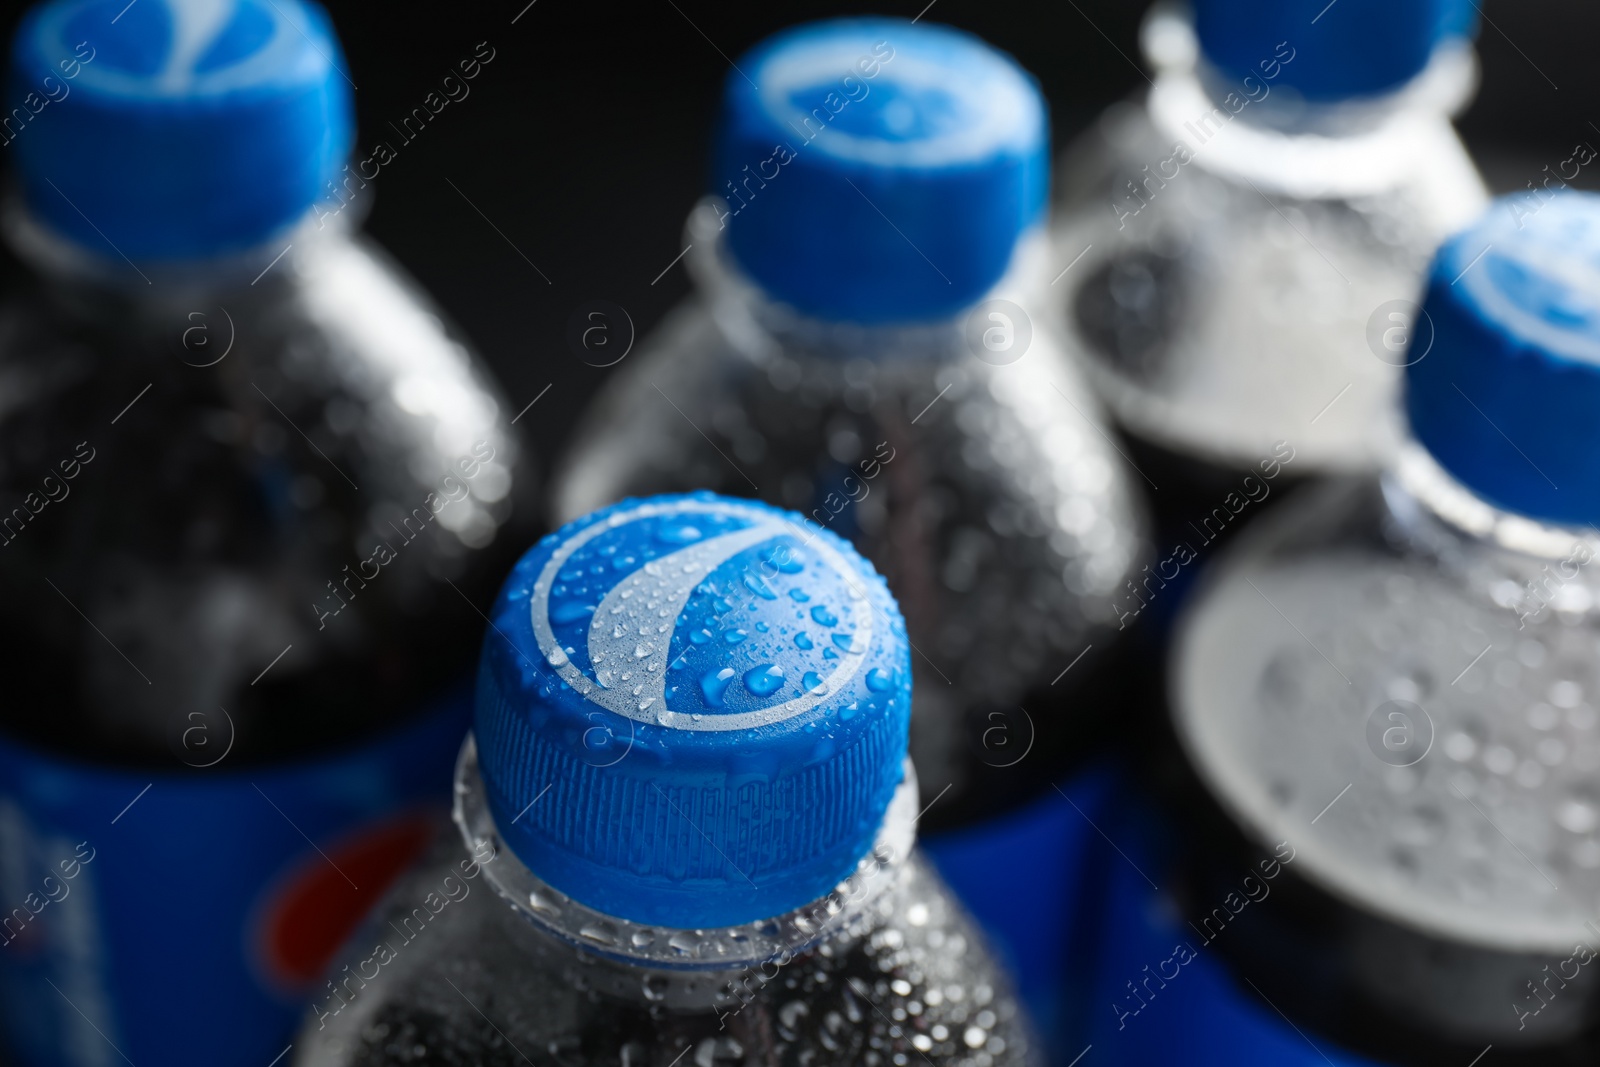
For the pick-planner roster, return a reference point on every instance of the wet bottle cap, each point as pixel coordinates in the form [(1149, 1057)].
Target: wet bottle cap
[(176, 129), (878, 171), (692, 710), (1327, 51), (1508, 396)]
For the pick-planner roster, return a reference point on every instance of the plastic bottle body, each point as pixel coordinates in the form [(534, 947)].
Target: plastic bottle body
[(243, 491), (1392, 680)]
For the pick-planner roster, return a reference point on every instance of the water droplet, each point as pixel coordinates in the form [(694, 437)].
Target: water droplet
[(843, 641), (557, 658), (765, 680), (641, 651), (1418, 828), (543, 905), (811, 681), (700, 636), (1578, 811), (1500, 759), (790, 1014), (786, 559), (879, 680), (1530, 774), (757, 585), (734, 637), (601, 933), (684, 943), (677, 533), (823, 617), (655, 987), (799, 596), (1543, 717), (643, 937), (572, 611), (803, 640), (1460, 745), (715, 683), (1566, 694)]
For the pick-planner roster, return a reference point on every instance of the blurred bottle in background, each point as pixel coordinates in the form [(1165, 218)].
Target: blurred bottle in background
[(1247, 245), (1388, 692), (686, 842), (251, 485), (869, 346)]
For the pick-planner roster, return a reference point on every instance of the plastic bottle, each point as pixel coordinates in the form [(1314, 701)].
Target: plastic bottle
[(252, 488), (1248, 242), (1388, 692), (687, 824), (866, 345)]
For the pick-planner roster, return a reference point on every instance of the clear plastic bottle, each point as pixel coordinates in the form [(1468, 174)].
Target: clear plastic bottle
[(252, 486), (687, 825), (1248, 242), (867, 345), (1390, 687)]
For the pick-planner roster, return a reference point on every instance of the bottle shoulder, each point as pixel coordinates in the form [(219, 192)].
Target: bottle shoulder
[(1412, 709), (473, 978), (302, 461), (1231, 280)]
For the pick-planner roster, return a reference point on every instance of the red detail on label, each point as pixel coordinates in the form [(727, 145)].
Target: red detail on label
[(322, 903)]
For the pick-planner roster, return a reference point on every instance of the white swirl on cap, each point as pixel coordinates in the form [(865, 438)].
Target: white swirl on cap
[(1559, 248), (196, 26), (999, 107), (660, 589)]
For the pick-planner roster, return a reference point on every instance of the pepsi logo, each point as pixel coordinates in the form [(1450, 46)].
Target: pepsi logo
[(703, 615), (202, 47), (321, 901)]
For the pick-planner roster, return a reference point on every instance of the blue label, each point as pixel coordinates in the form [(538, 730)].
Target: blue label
[(182, 920), (1025, 877), (1161, 994)]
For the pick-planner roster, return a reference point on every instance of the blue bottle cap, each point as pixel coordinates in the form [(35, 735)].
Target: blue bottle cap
[(1508, 397), (1326, 52), (176, 129), (879, 171), (692, 710)]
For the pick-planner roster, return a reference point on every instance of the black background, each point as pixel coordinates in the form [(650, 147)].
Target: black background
[(584, 141)]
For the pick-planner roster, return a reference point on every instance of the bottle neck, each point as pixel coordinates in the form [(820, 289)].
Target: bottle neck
[(763, 327), (706, 969), (1264, 133), (1531, 568), (91, 279), (1445, 86)]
